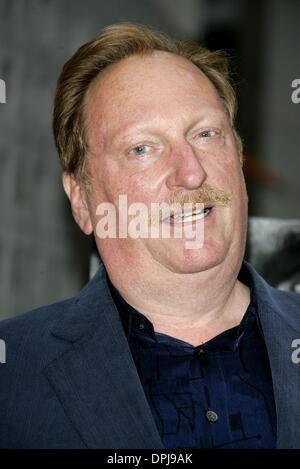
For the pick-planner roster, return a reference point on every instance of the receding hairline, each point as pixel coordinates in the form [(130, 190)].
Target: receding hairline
[(106, 76), (110, 46), (146, 55)]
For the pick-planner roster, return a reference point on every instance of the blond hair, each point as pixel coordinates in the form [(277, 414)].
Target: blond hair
[(111, 45)]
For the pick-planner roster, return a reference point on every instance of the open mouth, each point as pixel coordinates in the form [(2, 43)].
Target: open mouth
[(192, 216)]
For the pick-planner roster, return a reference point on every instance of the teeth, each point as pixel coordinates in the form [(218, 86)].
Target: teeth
[(189, 215), (192, 216)]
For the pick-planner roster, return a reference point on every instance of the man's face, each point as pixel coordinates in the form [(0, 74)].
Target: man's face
[(156, 128)]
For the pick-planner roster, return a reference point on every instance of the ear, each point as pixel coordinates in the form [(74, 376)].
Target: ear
[(78, 201)]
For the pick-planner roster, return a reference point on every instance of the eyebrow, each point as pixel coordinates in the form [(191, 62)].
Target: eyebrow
[(127, 131)]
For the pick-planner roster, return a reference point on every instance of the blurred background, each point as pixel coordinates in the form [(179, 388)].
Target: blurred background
[(43, 255)]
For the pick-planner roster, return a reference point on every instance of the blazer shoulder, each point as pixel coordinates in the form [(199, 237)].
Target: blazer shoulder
[(285, 298), (34, 332), (43, 315), (30, 334), (287, 305)]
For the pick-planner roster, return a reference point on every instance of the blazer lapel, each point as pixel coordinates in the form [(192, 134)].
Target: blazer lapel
[(280, 329), (96, 379), (97, 383)]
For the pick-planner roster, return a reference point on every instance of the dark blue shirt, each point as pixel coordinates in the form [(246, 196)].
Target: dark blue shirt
[(216, 395)]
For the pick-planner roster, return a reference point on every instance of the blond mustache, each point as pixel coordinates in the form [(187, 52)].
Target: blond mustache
[(205, 195)]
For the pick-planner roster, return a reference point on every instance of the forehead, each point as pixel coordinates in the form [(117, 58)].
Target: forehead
[(148, 88)]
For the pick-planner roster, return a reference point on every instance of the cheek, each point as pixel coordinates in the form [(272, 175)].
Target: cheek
[(140, 186), (149, 186), (111, 182), (108, 182), (221, 173)]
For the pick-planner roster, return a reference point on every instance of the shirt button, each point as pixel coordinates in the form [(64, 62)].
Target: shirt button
[(201, 352), (211, 416), (141, 326)]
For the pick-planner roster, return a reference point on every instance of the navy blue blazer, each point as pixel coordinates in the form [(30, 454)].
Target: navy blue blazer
[(69, 380)]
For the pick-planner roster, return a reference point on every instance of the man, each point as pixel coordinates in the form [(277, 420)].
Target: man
[(168, 346)]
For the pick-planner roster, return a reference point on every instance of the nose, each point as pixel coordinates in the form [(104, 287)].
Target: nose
[(187, 170)]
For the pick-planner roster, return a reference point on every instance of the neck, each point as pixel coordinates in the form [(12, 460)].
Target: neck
[(191, 307)]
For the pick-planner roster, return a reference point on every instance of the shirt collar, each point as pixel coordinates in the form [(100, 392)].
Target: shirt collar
[(131, 317)]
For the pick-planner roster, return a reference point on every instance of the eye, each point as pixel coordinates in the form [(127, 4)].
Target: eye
[(207, 133), (140, 150)]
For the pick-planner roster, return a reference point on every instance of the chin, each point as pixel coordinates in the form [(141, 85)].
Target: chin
[(189, 261)]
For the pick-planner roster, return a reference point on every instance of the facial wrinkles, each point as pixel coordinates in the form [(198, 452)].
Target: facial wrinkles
[(134, 102), (138, 100), (148, 185)]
